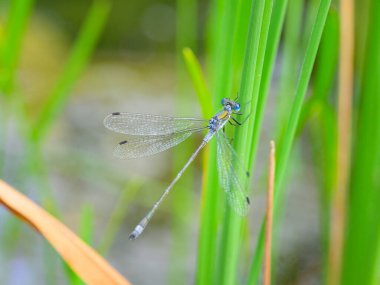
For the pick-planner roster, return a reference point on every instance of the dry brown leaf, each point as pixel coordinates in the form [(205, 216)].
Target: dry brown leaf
[(88, 264)]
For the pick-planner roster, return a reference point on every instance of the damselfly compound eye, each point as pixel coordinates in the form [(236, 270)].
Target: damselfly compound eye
[(223, 101), (236, 107)]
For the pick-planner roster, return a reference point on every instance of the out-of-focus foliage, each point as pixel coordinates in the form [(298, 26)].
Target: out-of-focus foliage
[(65, 64)]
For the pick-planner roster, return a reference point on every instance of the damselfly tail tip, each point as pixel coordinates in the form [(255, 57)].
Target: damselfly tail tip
[(138, 229), (132, 236), (135, 234)]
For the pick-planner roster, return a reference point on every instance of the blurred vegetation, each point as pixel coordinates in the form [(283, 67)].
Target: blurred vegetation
[(132, 25), (281, 58)]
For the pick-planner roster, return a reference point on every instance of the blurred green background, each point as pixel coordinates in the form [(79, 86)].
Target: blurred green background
[(64, 65)]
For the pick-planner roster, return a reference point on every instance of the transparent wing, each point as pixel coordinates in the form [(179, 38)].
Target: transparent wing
[(231, 173), (142, 146), (152, 125)]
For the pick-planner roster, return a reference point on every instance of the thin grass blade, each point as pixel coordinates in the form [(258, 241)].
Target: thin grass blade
[(249, 91), (196, 75), (285, 148), (76, 62), (11, 43)]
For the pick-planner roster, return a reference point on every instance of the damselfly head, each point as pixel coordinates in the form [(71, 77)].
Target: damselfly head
[(234, 105)]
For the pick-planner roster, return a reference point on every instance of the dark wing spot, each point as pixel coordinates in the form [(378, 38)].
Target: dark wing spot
[(116, 113), (248, 201), (247, 173), (123, 142)]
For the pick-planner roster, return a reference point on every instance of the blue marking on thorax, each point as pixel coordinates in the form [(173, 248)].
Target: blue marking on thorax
[(219, 118), (213, 123)]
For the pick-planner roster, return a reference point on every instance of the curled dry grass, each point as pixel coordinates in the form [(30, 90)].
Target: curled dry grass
[(88, 264)]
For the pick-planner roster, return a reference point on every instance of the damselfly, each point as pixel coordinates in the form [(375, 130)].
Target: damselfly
[(151, 134)]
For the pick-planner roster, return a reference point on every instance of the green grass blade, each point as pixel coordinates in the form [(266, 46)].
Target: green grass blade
[(376, 277), (249, 91), (300, 92), (323, 126), (195, 71), (223, 52), (289, 67), (251, 54), (290, 60), (11, 45), (278, 15), (210, 204), (301, 89), (78, 59), (285, 149), (222, 56), (256, 267), (328, 58), (363, 224)]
